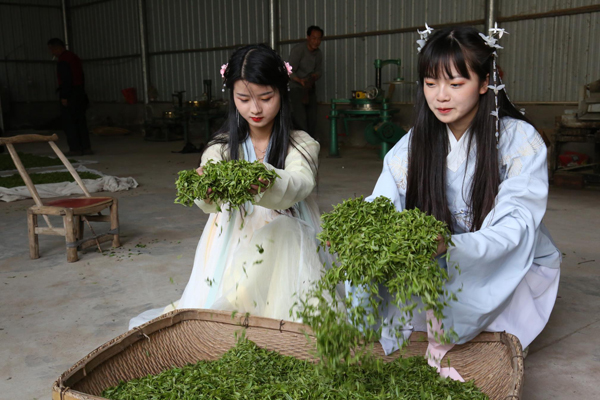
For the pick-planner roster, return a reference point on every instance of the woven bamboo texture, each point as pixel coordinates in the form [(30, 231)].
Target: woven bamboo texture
[(493, 360)]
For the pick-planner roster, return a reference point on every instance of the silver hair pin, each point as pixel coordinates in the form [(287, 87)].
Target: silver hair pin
[(492, 42)]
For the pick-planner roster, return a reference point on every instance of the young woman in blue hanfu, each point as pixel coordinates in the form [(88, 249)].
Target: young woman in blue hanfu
[(475, 162)]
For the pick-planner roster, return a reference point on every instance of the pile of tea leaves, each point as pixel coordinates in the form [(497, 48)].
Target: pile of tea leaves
[(247, 371), (377, 248), (39, 179), (230, 183), (29, 161)]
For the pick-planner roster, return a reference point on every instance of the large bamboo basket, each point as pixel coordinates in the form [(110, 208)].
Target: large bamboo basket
[(493, 360)]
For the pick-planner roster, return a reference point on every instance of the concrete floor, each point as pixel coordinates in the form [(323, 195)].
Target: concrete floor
[(54, 313)]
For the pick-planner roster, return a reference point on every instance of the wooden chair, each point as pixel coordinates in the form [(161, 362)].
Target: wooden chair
[(75, 211)]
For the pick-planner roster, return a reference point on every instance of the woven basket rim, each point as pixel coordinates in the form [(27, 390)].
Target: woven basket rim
[(104, 352)]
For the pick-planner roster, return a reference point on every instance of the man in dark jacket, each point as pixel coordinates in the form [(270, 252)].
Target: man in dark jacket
[(306, 60), (73, 99)]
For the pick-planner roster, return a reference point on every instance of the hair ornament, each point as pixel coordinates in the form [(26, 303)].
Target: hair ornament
[(497, 85), (496, 88), (424, 36), (222, 71), (490, 40), (288, 67), (499, 31)]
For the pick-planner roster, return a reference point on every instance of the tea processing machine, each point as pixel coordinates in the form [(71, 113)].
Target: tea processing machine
[(370, 104), (174, 124), (579, 126)]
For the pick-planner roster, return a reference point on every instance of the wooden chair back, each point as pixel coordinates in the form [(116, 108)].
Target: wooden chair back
[(10, 141)]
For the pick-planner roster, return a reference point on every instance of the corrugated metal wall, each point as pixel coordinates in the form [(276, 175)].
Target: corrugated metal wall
[(187, 42), (546, 57), (216, 26), (348, 62), (107, 30), (507, 7), (27, 72)]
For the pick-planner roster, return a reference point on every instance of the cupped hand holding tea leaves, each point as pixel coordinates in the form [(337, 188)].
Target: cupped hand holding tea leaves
[(234, 182), (441, 246), (260, 187), (200, 171)]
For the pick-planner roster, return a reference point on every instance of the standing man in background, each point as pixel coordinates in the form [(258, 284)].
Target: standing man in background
[(73, 99), (306, 60)]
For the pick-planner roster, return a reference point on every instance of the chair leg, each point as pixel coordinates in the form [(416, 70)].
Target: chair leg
[(70, 236), (78, 222), (34, 248), (114, 223)]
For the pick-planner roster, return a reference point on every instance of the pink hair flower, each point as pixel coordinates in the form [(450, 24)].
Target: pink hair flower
[(223, 69), (288, 67)]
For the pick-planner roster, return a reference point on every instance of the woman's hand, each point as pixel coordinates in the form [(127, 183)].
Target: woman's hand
[(256, 189), (200, 171), (441, 246)]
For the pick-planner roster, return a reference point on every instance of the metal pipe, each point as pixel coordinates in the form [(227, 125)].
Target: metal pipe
[(273, 28), (510, 18), (198, 50), (27, 61), (91, 3), (124, 56), (387, 31), (12, 4), (490, 14), (143, 49), (550, 14), (63, 5)]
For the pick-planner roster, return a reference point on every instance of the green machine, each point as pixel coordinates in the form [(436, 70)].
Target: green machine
[(370, 105)]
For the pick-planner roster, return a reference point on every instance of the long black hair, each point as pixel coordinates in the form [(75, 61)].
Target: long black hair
[(463, 48), (261, 65)]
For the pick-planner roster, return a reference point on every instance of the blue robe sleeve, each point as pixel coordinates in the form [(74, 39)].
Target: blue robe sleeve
[(494, 259)]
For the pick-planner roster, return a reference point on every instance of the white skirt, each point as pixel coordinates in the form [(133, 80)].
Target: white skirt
[(259, 264)]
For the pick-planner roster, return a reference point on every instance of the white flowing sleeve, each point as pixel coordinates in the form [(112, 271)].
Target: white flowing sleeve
[(299, 177), (211, 153), (393, 179), (494, 260)]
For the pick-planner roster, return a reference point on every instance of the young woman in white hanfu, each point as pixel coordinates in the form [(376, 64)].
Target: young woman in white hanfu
[(474, 161), (260, 259)]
